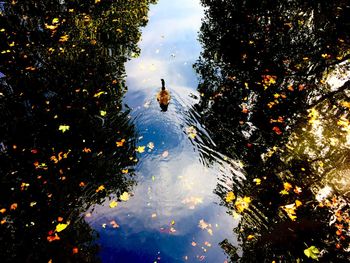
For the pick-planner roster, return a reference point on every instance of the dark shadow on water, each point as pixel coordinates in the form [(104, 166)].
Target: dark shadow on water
[(65, 144), (274, 84)]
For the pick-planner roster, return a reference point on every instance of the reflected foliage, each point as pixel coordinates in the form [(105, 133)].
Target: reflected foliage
[(62, 65), (274, 84)]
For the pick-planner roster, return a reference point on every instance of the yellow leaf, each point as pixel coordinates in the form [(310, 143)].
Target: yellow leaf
[(121, 143), (63, 128), (125, 196), (97, 95), (242, 203), (55, 20), (60, 227), (230, 196), (140, 149), (250, 237), (284, 192), (287, 186), (257, 181), (103, 113), (298, 203), (113, 204), (100, 188), (63, 38)]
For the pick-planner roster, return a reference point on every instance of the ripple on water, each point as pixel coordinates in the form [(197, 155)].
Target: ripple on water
[(174, 191)]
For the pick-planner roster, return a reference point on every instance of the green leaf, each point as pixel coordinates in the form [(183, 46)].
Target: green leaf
[(312, 252)]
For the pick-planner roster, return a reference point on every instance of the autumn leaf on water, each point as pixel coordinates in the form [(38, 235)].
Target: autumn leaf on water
[(165, 154), (312, 252), (63, 38), (286, 187), (150, 145), (291, 209), (61, 226), (230, 196), (98, 94), (125, 196), (113, 204), (257, 181), (204, 225), (242, 203), (100, 188), (63, 128), (114, 224), (140, 149), (103, 113), (120, 143), (191, 132)]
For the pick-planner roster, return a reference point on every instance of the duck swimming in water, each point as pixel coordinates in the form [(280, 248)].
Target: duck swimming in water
[(163, 97)]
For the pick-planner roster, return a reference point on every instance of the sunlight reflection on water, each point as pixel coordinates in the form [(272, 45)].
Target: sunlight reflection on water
[(175, 190)]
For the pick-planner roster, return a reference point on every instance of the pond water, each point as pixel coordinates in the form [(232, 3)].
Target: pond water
[(173, 214), (250, 162)]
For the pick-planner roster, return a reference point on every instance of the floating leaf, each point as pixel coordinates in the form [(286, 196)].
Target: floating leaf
[(63, 128), (120, 143), (140, 149), (125, 196), (63, 38), (257, 181), (97, 95), (113, 204), (114, 224), (312, 252), (100, 188), (103, 113), (242, 203), (230, 196), (14, 206), (60, 227)]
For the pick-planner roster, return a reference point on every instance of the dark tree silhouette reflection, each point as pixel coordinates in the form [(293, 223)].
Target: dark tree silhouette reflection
[(274, 84), (65, 142)]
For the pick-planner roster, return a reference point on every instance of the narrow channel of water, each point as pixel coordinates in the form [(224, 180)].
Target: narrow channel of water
[(173, 214)]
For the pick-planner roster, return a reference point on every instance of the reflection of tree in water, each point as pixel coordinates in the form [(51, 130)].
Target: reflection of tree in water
[(61, 120), (275, 94)]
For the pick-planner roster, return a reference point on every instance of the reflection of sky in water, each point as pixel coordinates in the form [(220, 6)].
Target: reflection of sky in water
[(169, 47), (170, 188)]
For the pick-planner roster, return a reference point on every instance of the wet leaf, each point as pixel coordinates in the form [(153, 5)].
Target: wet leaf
[(125, 196), (140, 149), (242, 203), (100, 188), (230, 196), (63, 128), (113, 204), (120, 143), (61, 226), (257, 181), (312, 252)]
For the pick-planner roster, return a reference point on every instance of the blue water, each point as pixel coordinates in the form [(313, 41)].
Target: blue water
[(173, 214)]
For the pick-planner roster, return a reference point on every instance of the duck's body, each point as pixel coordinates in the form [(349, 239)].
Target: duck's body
[(163, 97)]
